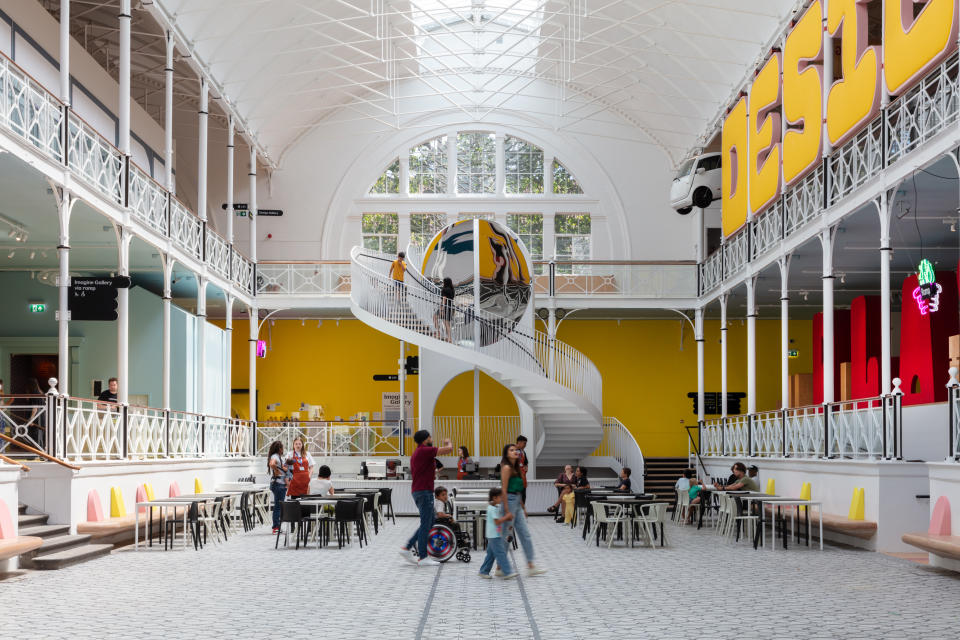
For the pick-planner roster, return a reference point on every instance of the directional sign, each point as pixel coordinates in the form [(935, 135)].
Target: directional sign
[(385, 377), (241, 209), (712, 402), (95, 298)]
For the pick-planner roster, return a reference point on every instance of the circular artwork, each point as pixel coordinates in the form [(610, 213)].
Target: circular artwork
[(502, 267)]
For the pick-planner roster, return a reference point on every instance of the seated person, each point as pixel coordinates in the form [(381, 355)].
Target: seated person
[(443, 510), (564, 484), (624, 484), (693, 491), (569, 499), (321, 485), (683, 482), (439, 466), (742, 482), (754, 472)]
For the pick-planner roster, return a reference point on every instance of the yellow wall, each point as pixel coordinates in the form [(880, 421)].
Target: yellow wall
[(330, 365), (647, 373), (457, 397)]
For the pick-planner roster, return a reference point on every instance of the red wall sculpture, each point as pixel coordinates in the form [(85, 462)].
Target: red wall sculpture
[(924, 341)]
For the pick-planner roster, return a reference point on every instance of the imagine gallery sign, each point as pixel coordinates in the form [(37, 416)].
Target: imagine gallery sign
[(760, 156)]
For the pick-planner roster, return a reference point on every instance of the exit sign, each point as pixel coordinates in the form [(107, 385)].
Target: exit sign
[(793, 353), (37, 307)]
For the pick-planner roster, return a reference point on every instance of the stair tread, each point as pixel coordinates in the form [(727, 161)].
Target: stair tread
[(71, 556), (45, 530), (31, 520), (55, 544)]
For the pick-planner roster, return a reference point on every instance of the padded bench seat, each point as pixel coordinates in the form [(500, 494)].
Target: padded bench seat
[(838, 523), (114, 530), (943, 546), (13, 547)]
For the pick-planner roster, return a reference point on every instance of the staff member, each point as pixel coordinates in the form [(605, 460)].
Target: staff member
[(301, 464)]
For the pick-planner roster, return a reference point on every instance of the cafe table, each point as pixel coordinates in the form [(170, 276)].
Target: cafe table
[(318, 502), (634, 502), (162, 504), (775, 504)]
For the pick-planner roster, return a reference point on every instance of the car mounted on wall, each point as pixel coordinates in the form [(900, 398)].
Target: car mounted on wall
[(697, 183)]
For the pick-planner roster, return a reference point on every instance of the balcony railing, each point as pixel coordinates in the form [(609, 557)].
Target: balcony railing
[(868, 428), (321, 278), (35, 116), (929, 109)]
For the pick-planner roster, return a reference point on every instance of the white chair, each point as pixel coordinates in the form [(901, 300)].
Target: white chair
[(683, 506), (649, 517), (209, 516), (610, 515), (748, 521)]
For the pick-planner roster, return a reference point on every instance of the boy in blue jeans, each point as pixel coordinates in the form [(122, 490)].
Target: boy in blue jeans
[(496, 547)]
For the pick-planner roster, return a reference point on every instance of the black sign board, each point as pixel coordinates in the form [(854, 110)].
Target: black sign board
[(385, 377), (241, 209), (95, 298), (712, 402)]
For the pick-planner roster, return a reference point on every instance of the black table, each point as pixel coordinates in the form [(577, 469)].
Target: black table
[(605, 498), (640, 501)]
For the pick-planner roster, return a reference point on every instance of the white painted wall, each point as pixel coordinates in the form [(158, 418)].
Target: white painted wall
[(926, 432), (62, 493), (890, 490)]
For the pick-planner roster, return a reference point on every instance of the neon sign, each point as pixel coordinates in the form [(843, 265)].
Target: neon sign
[(261, 348), (927, 294)]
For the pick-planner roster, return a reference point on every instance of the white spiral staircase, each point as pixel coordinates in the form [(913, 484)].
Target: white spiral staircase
[(561, 385)]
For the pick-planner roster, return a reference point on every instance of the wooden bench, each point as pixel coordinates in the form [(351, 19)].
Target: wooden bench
[(13, 547), (938, 539), (864, 529), (943, 546), (116, 531)]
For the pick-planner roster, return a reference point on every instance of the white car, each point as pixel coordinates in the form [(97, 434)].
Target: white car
[(697, 183)]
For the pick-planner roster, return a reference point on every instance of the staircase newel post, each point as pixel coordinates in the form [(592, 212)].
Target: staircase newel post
[(49, 430)]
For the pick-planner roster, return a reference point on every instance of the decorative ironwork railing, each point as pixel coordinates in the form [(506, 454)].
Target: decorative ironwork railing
[(186, 230), (333, 438), (867, 428), (918, 116), (766, 230), (186, 434), (30, 111), (304, 278), (736, 252), (148, 200), (35, 116), (620, 445), (146, 433), (217, 254), (711, 272), (242, 270), (26, 419), (95, 160)]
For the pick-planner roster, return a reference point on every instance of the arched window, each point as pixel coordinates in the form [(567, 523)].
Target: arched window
[(476, 162), (523, 166), (428, 166), (389, 180), (563, 180), (423, 226)]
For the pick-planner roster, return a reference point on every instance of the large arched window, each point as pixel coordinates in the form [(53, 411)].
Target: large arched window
[(389, 180), (522, 166), (428, 166), (563, 180), (476, 162)]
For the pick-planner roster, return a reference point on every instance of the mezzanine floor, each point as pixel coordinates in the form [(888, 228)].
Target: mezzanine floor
[(698, 587)]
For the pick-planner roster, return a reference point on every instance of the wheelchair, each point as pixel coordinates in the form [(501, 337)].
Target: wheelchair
[(443, 543)]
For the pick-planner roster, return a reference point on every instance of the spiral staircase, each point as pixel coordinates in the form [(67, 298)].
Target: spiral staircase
[(561, 385)]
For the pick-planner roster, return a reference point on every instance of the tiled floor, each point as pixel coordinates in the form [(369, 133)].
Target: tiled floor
[(697, 587)]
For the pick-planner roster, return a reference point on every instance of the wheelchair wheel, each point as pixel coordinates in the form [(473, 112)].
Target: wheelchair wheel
[(463, 555), (441, 543)]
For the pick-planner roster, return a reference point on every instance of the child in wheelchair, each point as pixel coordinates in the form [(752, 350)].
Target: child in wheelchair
[(443, 511)]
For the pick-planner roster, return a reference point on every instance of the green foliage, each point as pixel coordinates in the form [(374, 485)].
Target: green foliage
[(563, 180)]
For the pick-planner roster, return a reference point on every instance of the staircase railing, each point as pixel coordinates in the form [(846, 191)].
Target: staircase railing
[(622, 448), (421, 310)]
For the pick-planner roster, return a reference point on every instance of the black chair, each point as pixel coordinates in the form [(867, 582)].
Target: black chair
[(345, 513), (291, 512), (193, 522), (386, 502)]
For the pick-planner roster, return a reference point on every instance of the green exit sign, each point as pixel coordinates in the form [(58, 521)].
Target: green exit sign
[(37, 307), (793, 353)]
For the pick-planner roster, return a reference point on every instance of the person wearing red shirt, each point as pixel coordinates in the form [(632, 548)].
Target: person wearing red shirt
[(423, 471)]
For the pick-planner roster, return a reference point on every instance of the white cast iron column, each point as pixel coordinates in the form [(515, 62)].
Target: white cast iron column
[(751, 345), (167, 299), (202, 151), (252, 206), (784, 264), (254, 332), (885, 255), (201, 350), (123, 317), (63, 291), (698, 333), (228, 356), (64, 74), (723, 355), (230, 216), (826, 242), (168, 115)]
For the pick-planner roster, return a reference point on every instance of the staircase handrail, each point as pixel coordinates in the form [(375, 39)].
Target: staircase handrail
[(506, 340), (626, 449), (696, 450), (37, 452), (12, 461)]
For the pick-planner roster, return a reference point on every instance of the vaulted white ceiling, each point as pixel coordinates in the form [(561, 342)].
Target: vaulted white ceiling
[(662, 68)]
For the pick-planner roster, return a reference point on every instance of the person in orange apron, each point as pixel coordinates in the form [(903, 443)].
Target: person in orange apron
[(301, 464)]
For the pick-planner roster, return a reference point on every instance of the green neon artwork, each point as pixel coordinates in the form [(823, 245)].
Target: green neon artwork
[(925, 272)]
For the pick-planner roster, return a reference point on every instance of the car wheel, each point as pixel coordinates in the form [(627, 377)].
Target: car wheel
[(684, 210), (702, 197)]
